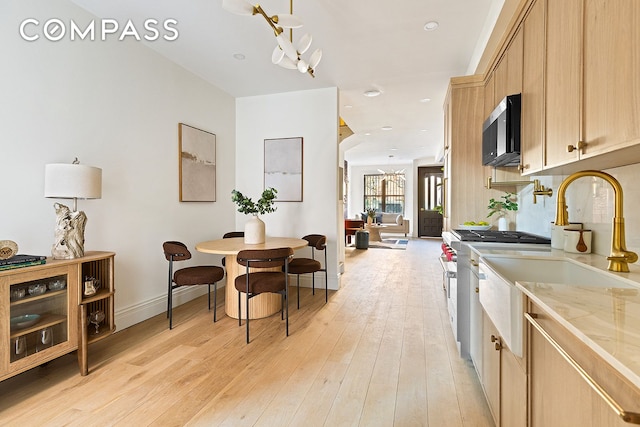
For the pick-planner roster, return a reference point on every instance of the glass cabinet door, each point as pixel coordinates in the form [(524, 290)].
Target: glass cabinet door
[(38, 315)]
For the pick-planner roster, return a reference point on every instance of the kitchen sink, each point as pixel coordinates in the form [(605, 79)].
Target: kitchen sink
[(504, 302), (553, 270)]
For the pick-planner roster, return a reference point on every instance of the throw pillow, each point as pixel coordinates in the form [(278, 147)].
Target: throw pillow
[(399, 219)]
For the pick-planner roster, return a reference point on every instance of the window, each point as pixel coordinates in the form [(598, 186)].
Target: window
[(384, 192)]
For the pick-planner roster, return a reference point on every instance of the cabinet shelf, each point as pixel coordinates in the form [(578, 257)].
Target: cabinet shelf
[(101, 294), (28, 298), (46, 321)]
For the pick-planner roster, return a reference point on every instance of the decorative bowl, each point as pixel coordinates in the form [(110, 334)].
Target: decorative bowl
[(18, 293), (24, 321), (57, 285), (38, 289)]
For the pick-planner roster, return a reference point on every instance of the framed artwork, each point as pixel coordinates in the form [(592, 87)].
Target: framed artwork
[(283, 168), (197, 164)]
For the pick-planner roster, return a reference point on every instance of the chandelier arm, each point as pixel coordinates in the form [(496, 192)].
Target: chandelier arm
[(276, 29)]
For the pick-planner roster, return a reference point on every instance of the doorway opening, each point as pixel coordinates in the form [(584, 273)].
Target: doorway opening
[(430, 201)]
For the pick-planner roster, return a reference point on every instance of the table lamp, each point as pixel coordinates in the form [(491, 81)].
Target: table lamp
[(71, 181)]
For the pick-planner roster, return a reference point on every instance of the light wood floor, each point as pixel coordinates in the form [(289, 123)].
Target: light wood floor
[(380, 353)]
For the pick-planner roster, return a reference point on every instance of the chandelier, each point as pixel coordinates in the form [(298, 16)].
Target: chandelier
[(285, 53)]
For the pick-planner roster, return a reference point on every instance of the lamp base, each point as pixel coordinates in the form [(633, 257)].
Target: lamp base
[(69, 233)]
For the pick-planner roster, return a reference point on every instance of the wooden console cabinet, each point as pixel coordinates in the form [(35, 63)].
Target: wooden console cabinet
[(52, 319)]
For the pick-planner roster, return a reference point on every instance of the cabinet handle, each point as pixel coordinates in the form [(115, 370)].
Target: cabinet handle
[(498, 345), (473, 262), (522, 167), (579, 146), (629, 417)]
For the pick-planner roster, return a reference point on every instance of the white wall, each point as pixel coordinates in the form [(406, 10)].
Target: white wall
[(114, 105), (312, 115)]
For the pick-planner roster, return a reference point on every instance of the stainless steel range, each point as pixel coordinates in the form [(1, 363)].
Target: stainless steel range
[(493, 236), (459, 294)]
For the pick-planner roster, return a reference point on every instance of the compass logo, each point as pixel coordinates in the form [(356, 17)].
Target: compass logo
[(55, 29)]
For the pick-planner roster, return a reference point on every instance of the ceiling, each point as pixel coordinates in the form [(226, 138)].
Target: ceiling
[(366, 44)]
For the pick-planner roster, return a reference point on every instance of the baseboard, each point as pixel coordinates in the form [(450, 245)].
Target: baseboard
[(131, 315)]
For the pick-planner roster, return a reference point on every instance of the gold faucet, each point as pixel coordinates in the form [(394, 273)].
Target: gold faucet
[(620, 257)]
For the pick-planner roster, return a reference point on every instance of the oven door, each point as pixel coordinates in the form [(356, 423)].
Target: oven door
[(450, 285), (449, 273)]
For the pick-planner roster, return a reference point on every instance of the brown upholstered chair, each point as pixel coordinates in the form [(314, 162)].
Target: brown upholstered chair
[(254, 282), (229, 235), (189, 276), (300, 266), (350, 228)]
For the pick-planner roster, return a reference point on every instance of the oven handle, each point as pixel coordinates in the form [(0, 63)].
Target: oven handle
[(445, 267)]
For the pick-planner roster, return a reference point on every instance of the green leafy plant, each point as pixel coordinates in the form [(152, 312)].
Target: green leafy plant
[(262, 206), (500, 206), (371, 213)]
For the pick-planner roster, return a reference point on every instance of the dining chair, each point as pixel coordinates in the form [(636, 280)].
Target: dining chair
[(302, 265), (255, 282), (230, 235), (189, 276)]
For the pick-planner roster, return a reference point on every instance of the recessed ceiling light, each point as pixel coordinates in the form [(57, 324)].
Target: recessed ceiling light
[(423, 130), (239, 56), (372, 92), (431, 25), (425, 100), (367, 133), (393, 149), (386, 128), (348, 106)]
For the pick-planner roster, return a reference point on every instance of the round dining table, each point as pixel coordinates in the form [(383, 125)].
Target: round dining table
[(262, 305)]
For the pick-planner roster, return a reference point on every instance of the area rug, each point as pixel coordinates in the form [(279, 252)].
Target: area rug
[(390, 244)]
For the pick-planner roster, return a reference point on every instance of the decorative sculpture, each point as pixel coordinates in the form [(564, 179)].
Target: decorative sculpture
[(69, 233)]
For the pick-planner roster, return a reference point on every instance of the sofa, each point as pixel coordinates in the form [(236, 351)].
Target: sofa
[(394, 222)]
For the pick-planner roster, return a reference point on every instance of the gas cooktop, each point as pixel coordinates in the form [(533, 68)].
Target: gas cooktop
[(494, 236)]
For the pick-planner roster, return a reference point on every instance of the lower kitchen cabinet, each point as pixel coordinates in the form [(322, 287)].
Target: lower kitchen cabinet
[(504, 379), (558, 395)]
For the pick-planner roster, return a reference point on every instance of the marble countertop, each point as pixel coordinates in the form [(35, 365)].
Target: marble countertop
[(605, 319)]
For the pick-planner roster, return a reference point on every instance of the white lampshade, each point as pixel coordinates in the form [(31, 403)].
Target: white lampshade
[(239, 7), (72, 181), (287, 47), (303, 44), (315, 58), (288, 21)]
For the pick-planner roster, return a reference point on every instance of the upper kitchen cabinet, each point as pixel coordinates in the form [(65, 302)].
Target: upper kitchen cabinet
[(611, 75), (563, 81), (464, 176), (532, 130)]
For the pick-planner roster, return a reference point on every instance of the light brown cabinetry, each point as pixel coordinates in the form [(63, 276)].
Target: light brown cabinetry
[(532, 128), (589, 95), (504, 379), (465, 198), (611, 75), (43, 311), (563, 80), (558, 395)]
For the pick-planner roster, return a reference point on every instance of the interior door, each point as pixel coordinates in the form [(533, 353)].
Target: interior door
[(429, 201)]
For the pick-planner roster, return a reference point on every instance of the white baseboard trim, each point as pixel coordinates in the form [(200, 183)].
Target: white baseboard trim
[(137, 313), (140, 312)]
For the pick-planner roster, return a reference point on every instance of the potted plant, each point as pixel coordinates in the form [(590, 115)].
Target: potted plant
[(254, 229), (500, 208), (371, 215)]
